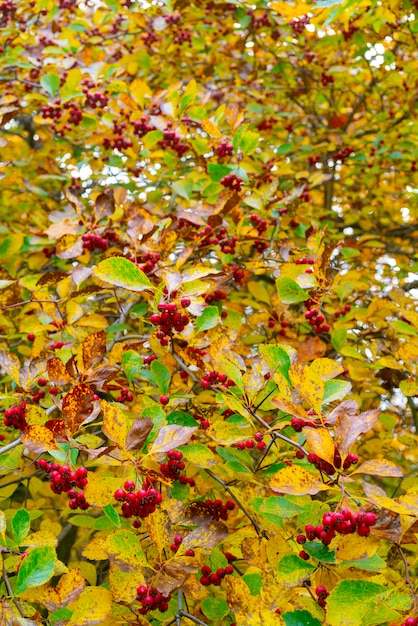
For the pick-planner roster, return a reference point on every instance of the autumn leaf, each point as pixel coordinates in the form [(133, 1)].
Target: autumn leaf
[(170, 437), (296, 481)]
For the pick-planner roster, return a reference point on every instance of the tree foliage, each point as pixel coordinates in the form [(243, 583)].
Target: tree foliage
[(209, 335)]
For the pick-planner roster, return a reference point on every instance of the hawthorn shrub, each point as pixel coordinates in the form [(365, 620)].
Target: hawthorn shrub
[(209, 335)]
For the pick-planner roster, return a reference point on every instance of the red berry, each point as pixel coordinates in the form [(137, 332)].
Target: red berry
[(370, 519), (304, 555), (185, 302), (164, 400), (42, 382), (301, 539), (31, 337)]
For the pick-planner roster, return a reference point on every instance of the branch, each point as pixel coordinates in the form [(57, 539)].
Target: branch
[(11, 445)]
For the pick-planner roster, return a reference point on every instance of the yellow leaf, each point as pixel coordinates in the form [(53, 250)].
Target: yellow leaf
[(290, 11), (114, 423), (326, 368), (379, 467), (35, 415), (248, 609), (123, 549), (11, 365), (289, 407), (308, 384), (210, 128), (2, 524), (41, 538), (39, 438), (94, 320), (354, 548), (320, 442), (94, 550), (100, 489), (123, 585), (139, 91), (296, 481), (69, 587), (93, 607), (158, 527)]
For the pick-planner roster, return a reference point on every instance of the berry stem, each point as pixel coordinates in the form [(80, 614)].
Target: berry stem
[(234, 497)]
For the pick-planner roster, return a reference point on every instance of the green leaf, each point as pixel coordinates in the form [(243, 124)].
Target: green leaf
[(335, 390), (232, 371), (217, 172), (60, 616), (284, 148), (338, 338), (132, 364), (20, 525), (254, 583), (50, 82), (112, 515), (277, 359), (120, 272), (161, 375), (353, 599), (277, 505), (183, 187), (198, 454), (36, 569), (319, 551), (248, 142), (215, 608), (300, 618), (373, 564), (289, 291), (181, 418), (208, 319), (292, 570), (82, 521), (152, 138)]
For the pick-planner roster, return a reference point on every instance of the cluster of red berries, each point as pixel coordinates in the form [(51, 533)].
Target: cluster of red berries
[(168, 319), (173, 141), (342, 311), (64, 480), (344, 523), (95, 99), (142, 127), (146, 262), (51, 112), (313, 160), (120, 142), (213, 378), (267, 124), (151, 599), (304, 261), (324, 466), (173, 467), (210, 237), (214, 578), (92, 241), (59, 344), (239, 274), (326, 79), (215, 296), (138, 504), (15, 417), (232, 181), (347, 34), (49, 253), (182, 35), (67, 4), (298, 23), (257, 442), (219, 510), (178, 540), (315, 318), (259, 223), (343, 154), (322, 595), (224, 149), (125, 395), (172, 18)]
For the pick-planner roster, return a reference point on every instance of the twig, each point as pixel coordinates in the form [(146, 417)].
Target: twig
[(11, 445), (405, 562), (236, 500), (9, 589), (192, 618), (179, 607), (184, 366)]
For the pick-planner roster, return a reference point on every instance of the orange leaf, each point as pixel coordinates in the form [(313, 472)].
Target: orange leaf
[(320, 442), (77, 406), (296, 481), (93, 348), (57, 372), (210, 128)]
